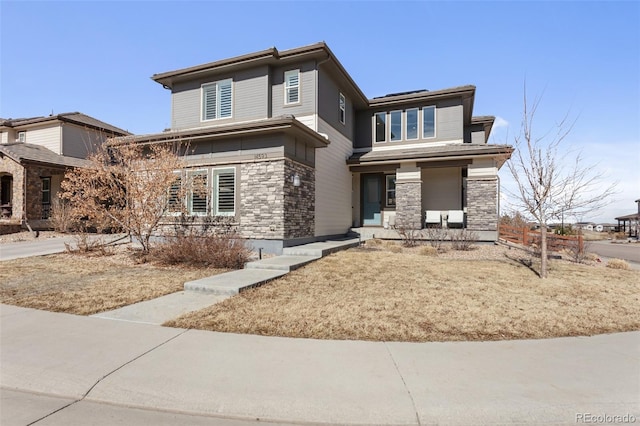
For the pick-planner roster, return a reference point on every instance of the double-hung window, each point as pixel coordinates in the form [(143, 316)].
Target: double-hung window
[(390, 190), (198, 193), (396, 125), (343, 108), (217, 100), (224, 192), (22, 136), (429, 122), (292, 87)]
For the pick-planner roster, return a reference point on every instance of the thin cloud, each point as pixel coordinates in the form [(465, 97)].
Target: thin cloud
[(500, 122)]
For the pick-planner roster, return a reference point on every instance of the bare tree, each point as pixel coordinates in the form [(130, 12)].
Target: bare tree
[(129, 186), (552, 183)]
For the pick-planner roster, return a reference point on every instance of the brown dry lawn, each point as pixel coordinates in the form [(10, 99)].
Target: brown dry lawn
[(83, 285), (379, 294)]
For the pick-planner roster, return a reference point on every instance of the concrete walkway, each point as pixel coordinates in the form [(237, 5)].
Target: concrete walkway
[(60, 369), (206, 291)]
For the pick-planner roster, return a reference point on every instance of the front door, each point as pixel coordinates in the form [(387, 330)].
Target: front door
[(372, 200)]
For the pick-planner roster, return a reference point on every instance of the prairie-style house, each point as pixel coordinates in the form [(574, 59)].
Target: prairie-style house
[(34, 155), (292, 151)]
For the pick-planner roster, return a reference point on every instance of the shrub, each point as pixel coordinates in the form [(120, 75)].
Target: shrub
[(219, 250), (428, 251), (436, 237), (618, 264), (463, 239), (409, 236), (61, 215)]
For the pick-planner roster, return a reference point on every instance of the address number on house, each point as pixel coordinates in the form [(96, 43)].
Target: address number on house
[(261, 156)]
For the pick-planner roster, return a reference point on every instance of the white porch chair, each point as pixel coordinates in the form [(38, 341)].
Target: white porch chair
[(433, 218), (455, 219)]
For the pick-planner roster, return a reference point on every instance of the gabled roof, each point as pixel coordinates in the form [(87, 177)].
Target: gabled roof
[(22, 152), (77, 118)]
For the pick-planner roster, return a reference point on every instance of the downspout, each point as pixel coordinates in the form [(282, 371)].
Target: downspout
[(24, 202)]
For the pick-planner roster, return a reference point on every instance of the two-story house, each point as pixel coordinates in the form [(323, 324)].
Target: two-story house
[(293, 151), (34, 155)]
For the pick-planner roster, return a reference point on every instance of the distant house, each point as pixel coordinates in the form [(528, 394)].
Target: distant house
[(34, 155), (585, 226), (292, 151), (630, 223)]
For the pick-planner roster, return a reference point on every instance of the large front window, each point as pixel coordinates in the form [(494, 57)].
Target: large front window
[(217, 100), (197, 201), (224, 192)]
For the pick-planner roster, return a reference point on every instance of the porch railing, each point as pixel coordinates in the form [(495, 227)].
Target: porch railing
[(527, 237)]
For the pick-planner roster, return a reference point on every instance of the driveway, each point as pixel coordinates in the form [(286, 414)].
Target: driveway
[(9, 251)]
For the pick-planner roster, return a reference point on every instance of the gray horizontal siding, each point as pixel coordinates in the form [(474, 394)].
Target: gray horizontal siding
[(250, 99), (79, 142), (307, 104), (329, 105), (449, 124)]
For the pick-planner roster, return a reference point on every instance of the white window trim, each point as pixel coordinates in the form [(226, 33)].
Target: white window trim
[(22, 136), (406, 124), (342, 106), (184, 201), (215, 193), (435, 121), (374, 122), (217, 84), (401, 126), (386, 190), (286, 87), (189, 194)]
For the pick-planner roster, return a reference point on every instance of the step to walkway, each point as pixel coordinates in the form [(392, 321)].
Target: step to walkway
[(230, 283), (162, 309), (284, 262), (321, 249)]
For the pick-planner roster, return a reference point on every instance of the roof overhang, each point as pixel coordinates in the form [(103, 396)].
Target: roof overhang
[(286, 124), (500, 153)]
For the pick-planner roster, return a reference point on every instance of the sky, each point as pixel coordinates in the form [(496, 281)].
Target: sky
[(581, 58)]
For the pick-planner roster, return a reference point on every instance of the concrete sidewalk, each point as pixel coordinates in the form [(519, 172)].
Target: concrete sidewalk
[(115, 372)]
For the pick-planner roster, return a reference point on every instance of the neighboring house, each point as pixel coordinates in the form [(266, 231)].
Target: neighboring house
[(293, 151), (34, 155), (630, 224)]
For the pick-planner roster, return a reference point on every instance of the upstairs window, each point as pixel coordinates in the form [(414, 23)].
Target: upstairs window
[(381, 126), (411, 129), (396, 125), (224, 192), (22, 137), (292, 87), (429, 122), (216, 100), (343, 108)]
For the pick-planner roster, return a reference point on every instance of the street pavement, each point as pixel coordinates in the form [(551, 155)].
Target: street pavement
[(617, 250), (67, 370)]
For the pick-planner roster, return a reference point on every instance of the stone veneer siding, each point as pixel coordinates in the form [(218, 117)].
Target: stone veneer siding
[(409, 204), (299, 202), (16, 170), (34, 189), (482, 204), (270, 206)]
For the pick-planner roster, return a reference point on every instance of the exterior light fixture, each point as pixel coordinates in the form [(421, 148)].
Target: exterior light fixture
[(295, 179)]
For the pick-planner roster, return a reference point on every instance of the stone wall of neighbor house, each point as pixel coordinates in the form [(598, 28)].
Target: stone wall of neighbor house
[(482, 204), (409, 204), (262, 199), (299, 201), (16, 171), (33, 192)]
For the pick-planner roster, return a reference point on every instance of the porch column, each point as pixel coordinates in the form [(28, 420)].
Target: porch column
[(408, 197), (483, 191)]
